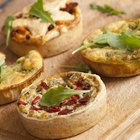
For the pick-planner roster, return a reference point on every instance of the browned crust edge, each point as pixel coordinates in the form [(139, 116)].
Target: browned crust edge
[(115, 70)]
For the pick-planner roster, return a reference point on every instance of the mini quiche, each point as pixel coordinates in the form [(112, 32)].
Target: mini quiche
[(14, 77), (114, 50), (48, 26), (63, 105)]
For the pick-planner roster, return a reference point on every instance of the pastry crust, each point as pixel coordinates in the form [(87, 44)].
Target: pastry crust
[(9, 92), (59, 39), (62, 126), (113, 62)]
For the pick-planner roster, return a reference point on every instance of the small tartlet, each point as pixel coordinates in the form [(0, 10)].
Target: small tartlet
[(30, 33), (74, 115), (15, 77), (109, 61)]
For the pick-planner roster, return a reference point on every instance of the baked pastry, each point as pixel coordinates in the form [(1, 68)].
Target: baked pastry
[(114, 50), (31, 33), (63, 105), (14, 77)]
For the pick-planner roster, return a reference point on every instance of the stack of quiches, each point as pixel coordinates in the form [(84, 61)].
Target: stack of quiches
[(69, 103)]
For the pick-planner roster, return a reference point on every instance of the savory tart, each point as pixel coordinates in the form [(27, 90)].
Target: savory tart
[(48, 26), (14, 77), (63, 105), (114, 50)]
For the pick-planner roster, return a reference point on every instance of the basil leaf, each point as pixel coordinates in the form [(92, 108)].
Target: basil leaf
[(8, 29), (37, 10), (115, 41), (84, 46), (109, 39), (1, 67), (54, 96), (125, 41), (106, 9), (101, 40), (81, 68), (131, 42), (121, 41)]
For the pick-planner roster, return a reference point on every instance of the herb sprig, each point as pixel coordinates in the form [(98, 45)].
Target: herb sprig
[(106, 9), (78, 67), (1, 67), (54, 96), (37, 10), (125, 41), (8, 28)]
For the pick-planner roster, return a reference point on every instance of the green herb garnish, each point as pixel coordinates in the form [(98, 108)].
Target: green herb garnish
[(106, 9), (8, 29), (85, 46), (37, 10), (78, 67), (125, 41), (1, 67), (54, 96)]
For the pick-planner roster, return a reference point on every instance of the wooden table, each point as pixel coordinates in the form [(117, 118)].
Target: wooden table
[(122, 121)]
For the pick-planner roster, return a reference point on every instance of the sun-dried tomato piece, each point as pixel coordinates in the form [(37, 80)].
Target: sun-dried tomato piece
[(64, 102), (21, 102), (78, 88), (37, 98), (84, 100), (65, 112), (70, 7), (76, 106), (71, 102), (50, 27), (28, 37), (51, 109), (35, 108), (75, 96), (44, 85), (86, 86), (79, 83)]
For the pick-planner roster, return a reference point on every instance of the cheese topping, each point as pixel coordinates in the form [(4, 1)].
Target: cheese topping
[(23, 69), (36, 26), (28, 102)]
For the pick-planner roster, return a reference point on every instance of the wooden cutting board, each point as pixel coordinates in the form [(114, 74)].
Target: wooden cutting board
[(122, 121)]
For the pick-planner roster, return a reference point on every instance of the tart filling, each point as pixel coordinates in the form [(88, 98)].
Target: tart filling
[(29, 102), (21, 70), (110, 54), (32, 29)]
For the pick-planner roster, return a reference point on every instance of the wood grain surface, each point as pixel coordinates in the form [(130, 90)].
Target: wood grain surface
[(122, 121)]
